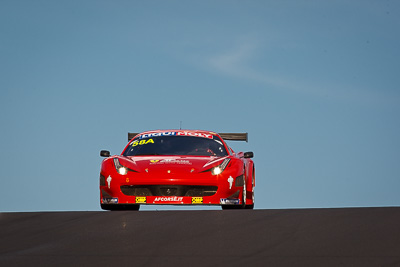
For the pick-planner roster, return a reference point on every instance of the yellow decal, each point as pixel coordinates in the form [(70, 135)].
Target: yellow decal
[(140, 199), (197, 200), (127, 180), (142, 142), (154, 160)]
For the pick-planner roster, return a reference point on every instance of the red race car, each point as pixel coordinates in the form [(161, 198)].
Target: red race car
[(178, 167)]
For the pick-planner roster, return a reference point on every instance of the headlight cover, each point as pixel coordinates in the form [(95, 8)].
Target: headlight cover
[(220, 168), (120, 169)]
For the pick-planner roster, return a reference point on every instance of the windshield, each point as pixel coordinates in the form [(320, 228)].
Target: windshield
[(176, 145)]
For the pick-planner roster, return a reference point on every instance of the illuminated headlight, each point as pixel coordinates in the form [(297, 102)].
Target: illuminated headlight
[(220, 168), (216, 170), (120, 169)]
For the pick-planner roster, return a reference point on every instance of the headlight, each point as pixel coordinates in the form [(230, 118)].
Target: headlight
[(120, 169), (216, 170), (220, 168)]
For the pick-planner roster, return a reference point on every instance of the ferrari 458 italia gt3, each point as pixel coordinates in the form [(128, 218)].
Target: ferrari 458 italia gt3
[(178, 167)]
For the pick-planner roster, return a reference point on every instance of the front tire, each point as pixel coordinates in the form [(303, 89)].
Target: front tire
[(244, 193), (251, 206), (230, 207), (113, 207)]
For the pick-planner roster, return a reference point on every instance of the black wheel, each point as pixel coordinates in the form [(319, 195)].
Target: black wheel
[(244, 194), (250, 207), (120, 207), (230, 207)]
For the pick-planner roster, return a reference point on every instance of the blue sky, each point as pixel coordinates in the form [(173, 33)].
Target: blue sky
[(314, 83)]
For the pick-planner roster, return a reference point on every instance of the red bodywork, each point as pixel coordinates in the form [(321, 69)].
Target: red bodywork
[(177, 180)]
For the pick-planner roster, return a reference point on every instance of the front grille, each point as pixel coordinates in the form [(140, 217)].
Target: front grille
[(169, 190)]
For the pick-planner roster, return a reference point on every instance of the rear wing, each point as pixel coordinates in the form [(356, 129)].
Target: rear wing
[(131, 135), (235, 136), (225, 136)]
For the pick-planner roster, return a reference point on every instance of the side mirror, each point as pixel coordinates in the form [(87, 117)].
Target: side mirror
[(248, 155), (105, 153)]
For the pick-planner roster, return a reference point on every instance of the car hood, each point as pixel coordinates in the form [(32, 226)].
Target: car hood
[(174, 164)]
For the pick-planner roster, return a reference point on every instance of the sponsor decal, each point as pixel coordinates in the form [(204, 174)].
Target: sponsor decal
[(168, 199), (230, 181), (171, 161), (229, 201), (179, 133), (195, 134), (142, 142), (157, 134), (113, 200), (197, 200), (140, 199), (109, 181)]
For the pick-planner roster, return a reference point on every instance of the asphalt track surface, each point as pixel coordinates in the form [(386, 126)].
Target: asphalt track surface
[(302, 237)]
